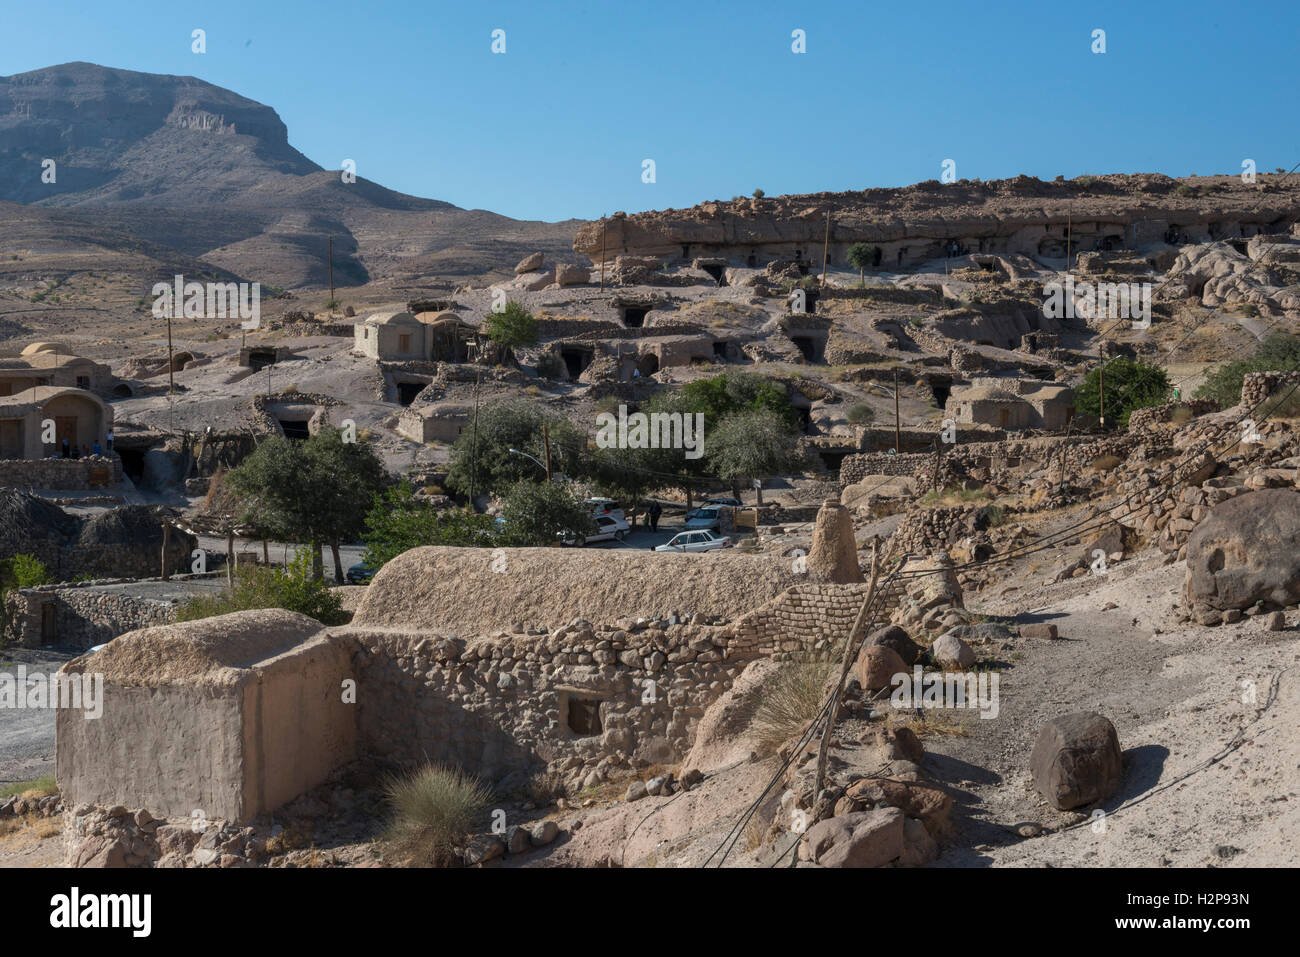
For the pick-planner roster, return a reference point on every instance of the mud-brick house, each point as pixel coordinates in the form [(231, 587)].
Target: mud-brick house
[(403, 337), (79, 416), (52, 364), (1012, 404)]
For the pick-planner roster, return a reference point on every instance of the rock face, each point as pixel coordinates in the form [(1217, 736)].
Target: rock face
[(834, 554), (1246, 550), (1077, 760)]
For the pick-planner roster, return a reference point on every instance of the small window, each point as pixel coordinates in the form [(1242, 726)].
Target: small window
[(404, 342), (584, 716), (83, 382)]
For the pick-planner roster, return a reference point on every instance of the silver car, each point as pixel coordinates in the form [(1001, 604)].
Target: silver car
[(698, 541)]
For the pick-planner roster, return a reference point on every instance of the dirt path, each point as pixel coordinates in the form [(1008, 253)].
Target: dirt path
[(1209, 779)]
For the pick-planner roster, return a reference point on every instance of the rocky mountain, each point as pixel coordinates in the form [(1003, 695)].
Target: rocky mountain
[(212, 174)]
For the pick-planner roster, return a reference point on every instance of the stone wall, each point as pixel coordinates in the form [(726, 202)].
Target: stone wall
[(1258, 386), (57, 473), (84, 614), (1142, 420)]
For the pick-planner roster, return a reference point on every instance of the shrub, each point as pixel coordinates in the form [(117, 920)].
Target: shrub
[(24, 571), (1278, 352), (861, 414), (293, 588), (550, 365), (789, 701), (435, 808), (43, 786)]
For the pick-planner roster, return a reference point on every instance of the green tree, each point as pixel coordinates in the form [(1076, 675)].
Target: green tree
[(510, 329), (543, 514), (752, 444), (398, 521), (481, 459), (1130, 384), (314, 490), (863, 255), (1279, 352), (735, 391)]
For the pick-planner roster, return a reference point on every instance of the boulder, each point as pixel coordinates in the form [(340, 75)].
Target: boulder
[(925, 802), (899, 640), (862, 839), (876, 667), (567, 274), (951, 652), (1077, 760), (1246, 550), (529, 264)]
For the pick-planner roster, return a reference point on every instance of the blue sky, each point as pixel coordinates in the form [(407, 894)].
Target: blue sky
[(559, 125)]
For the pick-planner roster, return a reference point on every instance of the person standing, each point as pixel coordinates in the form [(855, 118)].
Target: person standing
[(109, 441), (63, 448), (655, 511)]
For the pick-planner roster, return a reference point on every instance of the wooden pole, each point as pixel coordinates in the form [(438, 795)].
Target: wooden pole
[(546, 446), (850, 642), (898, 441), (473, 454), (171, 369), (602, 254), (826, 243), (1101, 380), (1069, 230), (331, 259), (230, 557), (167, 535)]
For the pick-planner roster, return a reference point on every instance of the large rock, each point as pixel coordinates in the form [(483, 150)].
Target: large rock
[(862, 839), (951, 652), (1077, 760), (529, 264), (567, 274), (834, 553), (925, 802), (1246, 550), (876, 667), (894, 637)]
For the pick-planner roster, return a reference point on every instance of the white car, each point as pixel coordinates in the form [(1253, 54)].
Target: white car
[(608, 529), (701, 541), (606, 507), (703, 518)]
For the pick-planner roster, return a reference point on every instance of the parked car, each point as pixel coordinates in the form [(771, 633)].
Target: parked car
[(606, 506), (705, 517), (701, 541), (608, 529), (360, 574), (733, 502)]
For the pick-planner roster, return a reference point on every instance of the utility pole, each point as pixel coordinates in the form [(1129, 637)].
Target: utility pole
[(602, 254), (546, 446), (1101, 380), (167, 534), (826, 243), (898, 441), (1069, 229), (473, 446), (171, 369), (331, 261)]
